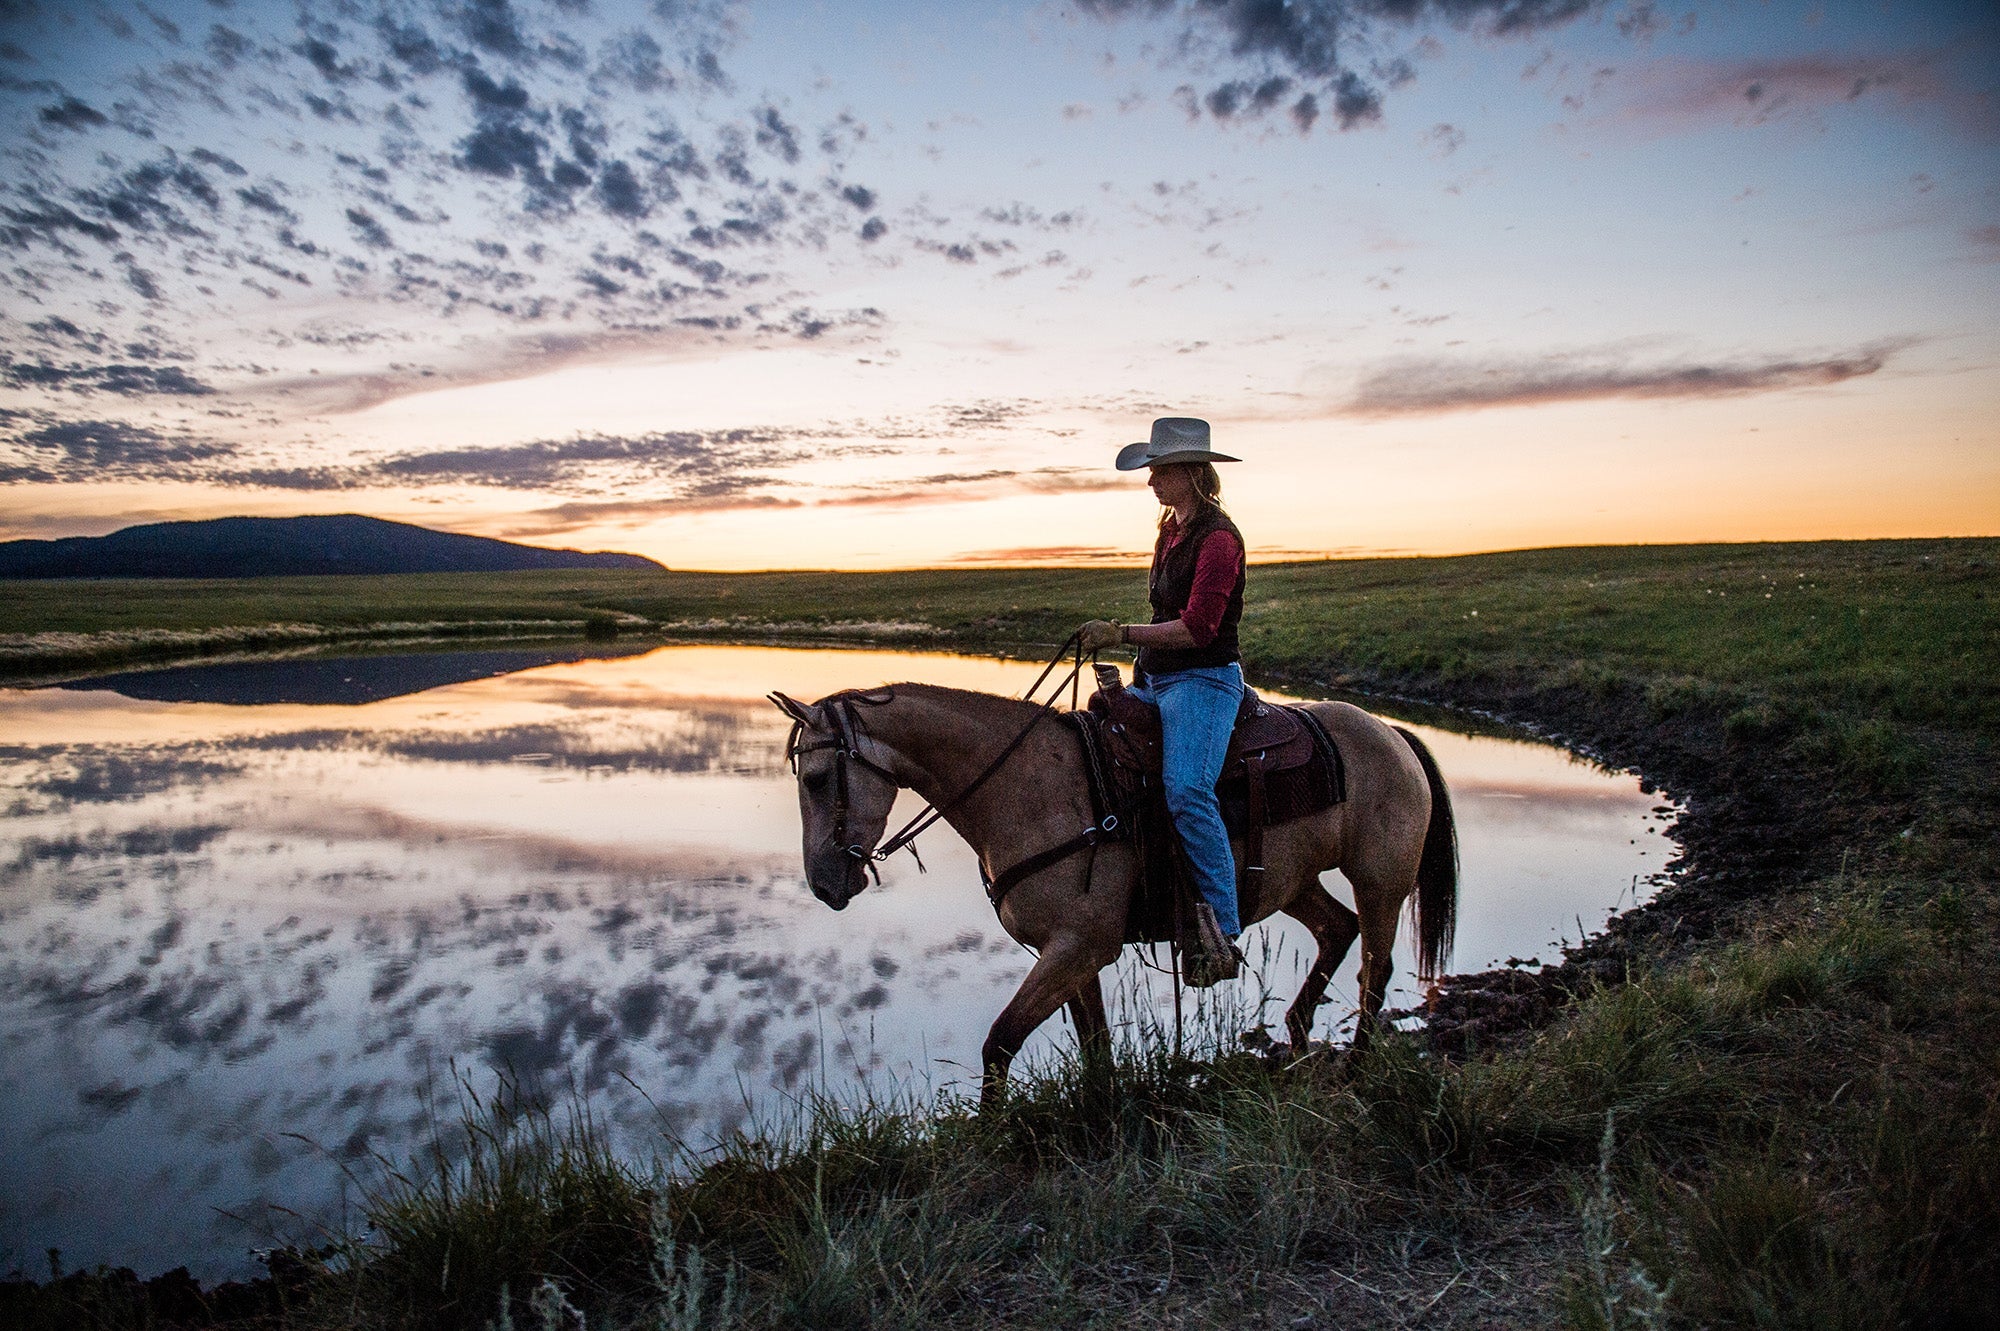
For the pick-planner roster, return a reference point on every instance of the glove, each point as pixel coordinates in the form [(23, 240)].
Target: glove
[(1099, 634)]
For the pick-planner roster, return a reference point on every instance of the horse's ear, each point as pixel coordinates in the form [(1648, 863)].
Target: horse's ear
[(793, 708)]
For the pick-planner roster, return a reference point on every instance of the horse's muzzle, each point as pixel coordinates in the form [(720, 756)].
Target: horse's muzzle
[(843, 882)]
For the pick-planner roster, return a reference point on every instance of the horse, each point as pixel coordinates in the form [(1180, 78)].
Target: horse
[(1014, 784)]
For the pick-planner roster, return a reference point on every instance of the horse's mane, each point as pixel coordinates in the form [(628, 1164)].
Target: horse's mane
[(943, 695)]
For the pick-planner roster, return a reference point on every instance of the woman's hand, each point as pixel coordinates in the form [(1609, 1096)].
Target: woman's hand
[(1099, 634)]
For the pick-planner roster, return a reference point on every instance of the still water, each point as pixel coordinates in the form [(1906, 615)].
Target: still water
[(256, 919)]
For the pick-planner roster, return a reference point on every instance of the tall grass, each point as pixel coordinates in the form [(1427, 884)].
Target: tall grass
[(1779, 1135), (511, 1193), (1686, 1129)]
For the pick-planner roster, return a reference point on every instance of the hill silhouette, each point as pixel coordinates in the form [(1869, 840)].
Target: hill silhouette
[(275, 547)]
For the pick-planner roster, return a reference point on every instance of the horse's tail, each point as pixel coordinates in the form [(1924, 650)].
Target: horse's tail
[(1436, 904)]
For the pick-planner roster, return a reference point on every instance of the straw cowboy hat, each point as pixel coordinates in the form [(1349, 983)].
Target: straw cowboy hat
[(1175, 439)]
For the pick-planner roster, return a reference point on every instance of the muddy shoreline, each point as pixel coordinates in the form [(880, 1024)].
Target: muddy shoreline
[(1753, 828)]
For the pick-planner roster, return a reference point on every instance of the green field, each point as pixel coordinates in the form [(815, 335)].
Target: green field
[(1772, 1099), (1905, 624)]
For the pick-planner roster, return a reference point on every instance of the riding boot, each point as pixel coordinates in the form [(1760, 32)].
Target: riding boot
[(1210, 957)]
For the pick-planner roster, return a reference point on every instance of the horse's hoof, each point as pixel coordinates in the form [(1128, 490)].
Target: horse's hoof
[(1301, 1055)]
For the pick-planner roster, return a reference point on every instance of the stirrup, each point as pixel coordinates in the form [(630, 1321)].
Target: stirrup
[(1202, 972), (1212, 958)]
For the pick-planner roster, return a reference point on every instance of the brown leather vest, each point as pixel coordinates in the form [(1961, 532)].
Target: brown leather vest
[(1172, 582)]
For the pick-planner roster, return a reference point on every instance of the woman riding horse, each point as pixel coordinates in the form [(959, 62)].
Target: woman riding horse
[(1018, 790), (1189, 664)]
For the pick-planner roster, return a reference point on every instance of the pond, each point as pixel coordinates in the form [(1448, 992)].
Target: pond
[(258, 919)]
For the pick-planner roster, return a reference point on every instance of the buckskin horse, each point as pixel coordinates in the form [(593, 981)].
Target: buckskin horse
[(1014, 788)]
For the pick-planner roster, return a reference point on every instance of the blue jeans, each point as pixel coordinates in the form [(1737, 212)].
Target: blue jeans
[(1197, 713)]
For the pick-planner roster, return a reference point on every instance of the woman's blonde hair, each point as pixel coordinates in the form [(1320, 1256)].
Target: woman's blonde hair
[(1207, 484)]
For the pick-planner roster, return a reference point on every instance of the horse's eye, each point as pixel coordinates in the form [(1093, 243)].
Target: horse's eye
[(815, 781)]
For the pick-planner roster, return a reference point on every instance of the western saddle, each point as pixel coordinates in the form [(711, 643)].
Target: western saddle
[(1281, 765)]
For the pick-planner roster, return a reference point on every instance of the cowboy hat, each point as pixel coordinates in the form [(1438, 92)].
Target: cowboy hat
[(1175, 439)]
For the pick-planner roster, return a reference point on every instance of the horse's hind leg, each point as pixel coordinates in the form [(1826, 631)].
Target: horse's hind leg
[(1334, 928), (1379, 910)]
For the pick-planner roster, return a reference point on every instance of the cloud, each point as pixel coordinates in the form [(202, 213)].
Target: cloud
[(677, 470), (47, 223), (1293, 55), (715, 464), (562, 518), (1051, 554), (120, 379), (514, 356), (775, 135), (971, 487), (70, 113), (635, 195), (1415, 387), (1641, 21), (369, 231), (1024, 215), (94, 450), (982, 413), (684, 469), (1187, 205), (1755, 92), (1070, 480)]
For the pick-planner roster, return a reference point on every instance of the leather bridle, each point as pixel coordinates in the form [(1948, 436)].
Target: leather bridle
[(846, 746), (845, 743)]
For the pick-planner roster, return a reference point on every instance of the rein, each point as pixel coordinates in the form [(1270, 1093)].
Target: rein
[(930, 813), (845, 742)]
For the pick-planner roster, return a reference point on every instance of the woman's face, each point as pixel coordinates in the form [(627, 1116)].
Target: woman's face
[(1172, 486)]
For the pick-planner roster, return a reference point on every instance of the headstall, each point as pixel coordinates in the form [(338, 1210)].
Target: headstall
[(845, 742), (846, 745)]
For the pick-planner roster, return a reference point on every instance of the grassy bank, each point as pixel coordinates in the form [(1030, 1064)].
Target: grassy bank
[(1768, 1099)]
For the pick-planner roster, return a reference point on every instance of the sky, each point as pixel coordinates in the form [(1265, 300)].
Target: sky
[(876, 285)]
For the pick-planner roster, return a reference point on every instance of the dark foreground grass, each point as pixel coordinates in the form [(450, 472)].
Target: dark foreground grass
[(1785, 1114), (1778, 1136)]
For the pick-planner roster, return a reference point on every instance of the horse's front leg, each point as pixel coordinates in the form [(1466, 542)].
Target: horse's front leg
[(1093, 1034), (1058, 976), (1086, 1011)]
